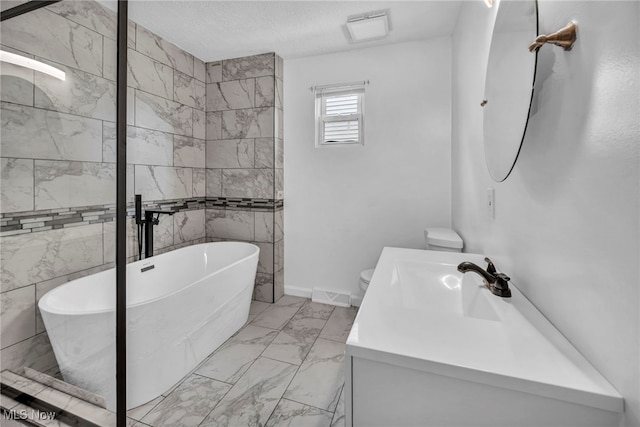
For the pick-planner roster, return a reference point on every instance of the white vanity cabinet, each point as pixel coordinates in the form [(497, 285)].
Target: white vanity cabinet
[(433, 347)]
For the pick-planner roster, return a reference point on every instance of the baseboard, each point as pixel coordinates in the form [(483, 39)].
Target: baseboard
[(297, 292), (356, 300), (326, 296)]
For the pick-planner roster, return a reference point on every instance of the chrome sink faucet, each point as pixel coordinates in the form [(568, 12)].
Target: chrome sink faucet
[(496, 282)]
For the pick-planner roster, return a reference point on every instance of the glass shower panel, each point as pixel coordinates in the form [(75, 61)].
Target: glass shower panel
[(57, 216), (171, 327)]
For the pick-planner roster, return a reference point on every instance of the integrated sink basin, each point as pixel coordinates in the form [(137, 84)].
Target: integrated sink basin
[(440, 291), (433, 346)]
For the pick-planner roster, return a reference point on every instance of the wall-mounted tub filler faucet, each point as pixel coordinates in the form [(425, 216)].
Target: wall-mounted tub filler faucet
[(151, 218), (498, 283)]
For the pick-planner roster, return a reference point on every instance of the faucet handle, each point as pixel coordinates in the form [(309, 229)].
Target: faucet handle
[(491, 268), (502, 277), (501, 287)]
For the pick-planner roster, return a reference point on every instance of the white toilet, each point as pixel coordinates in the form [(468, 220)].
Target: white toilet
[(436, 239), (365, 279), (442, 239)]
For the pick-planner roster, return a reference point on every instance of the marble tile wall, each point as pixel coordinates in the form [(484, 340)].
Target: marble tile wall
[(195, 132), (74, 120), (57, 146), (244, 160), (278, 164)]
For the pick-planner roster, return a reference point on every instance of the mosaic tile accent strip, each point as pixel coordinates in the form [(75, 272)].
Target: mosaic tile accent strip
[(53, 219), (12, 223), (177, 205), (250, 203)]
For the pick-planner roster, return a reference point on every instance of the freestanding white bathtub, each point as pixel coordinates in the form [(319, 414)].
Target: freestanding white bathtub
[(178, 312)]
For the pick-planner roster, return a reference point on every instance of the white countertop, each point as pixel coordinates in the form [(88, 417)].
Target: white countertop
[(421, 313)]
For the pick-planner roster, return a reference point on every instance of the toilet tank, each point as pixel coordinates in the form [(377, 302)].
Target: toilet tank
[(442, 239)]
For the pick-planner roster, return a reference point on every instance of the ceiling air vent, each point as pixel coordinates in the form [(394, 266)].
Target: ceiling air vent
[(369, 26)]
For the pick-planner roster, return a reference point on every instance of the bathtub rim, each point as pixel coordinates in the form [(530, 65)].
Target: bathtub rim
[(44, 307)]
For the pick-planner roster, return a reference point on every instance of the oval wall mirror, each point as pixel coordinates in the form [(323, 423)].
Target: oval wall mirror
[(509, 84)]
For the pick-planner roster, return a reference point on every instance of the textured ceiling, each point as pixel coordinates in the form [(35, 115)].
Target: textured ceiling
[(214, 30)]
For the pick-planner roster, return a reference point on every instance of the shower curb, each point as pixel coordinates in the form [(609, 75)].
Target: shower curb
[(64, 387), (32, 402)]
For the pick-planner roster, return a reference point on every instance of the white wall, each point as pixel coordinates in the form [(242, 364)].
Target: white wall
[(566, 224), (344, 204)]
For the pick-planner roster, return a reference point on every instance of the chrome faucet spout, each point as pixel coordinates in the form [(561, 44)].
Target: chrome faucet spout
[(496, 282)]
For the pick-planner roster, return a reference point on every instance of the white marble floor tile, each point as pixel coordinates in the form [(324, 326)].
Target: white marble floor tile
[(254, 377), (295, 340), (320, 377), (233, 359), (11, 423), (194, 370), (339, 324), (252, 399), (189, 404), (339, 419), (289, 300), (258, 307), (139, 412), (172, 389), (294, 414), (7, 402), (85, 410), (22, 411), (316, 310), (176, 385), (277, 315)]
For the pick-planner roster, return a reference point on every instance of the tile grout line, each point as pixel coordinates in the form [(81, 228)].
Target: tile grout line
[(314, 343), (311, 406), (315, 318), (35, 311), (225, 395), (252, 363), (275, 407), (221, 399), (189, 374), (297, 370), (299, 366), (26, 339), (209, 378), (93, 30), (261, 355), (338, 403), (149, 411)]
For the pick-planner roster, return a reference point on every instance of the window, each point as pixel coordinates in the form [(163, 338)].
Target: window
[(340, 114)]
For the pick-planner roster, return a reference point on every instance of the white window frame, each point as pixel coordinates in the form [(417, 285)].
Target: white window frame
[(324, 92)]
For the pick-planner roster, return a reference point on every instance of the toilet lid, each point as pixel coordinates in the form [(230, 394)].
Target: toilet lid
[(366, 275)]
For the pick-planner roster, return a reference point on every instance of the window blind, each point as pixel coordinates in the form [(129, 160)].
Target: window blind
[(339, 114)]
